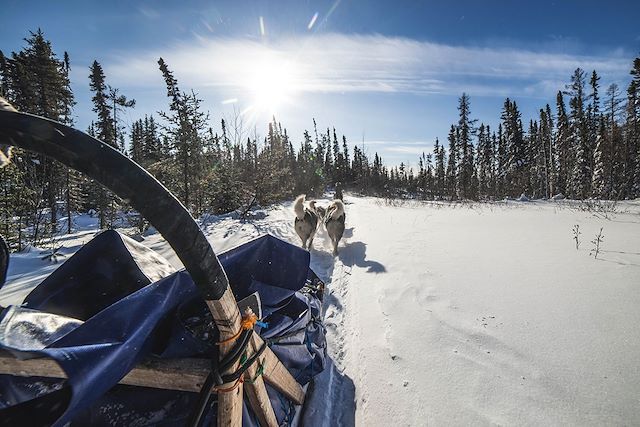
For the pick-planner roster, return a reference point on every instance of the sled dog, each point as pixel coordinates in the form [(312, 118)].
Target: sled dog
[(306, 221), (334, 223)]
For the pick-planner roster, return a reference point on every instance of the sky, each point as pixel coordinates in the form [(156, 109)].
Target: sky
[(387, 75)]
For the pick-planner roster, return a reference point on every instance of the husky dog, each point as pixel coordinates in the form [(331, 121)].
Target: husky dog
[(306, 222), (334, 223)]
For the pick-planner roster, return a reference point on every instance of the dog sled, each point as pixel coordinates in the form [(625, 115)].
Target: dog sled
[(115, 337)]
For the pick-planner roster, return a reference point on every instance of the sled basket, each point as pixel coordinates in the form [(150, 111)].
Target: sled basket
[(115, 336)]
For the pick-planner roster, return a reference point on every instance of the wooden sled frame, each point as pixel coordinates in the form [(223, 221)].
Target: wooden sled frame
[(173, 221)]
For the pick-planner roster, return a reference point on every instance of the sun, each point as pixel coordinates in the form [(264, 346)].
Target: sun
[(271, 84)]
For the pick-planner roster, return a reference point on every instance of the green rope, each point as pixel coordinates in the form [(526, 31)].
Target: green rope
[(259, 372)]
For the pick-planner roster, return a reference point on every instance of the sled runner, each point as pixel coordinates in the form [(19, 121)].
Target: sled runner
[(114, 337)]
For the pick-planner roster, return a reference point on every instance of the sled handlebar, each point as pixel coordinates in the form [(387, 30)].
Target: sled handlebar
[(129, 181)]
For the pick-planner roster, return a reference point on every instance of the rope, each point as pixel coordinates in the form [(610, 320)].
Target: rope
[(248, 322), (259, 372), (229, 389), (248, 362)]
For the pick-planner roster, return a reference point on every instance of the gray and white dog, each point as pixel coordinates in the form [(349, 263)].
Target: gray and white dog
[(307, 219), (334, 223)]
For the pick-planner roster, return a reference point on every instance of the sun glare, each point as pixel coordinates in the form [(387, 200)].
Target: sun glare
[(271, 84)]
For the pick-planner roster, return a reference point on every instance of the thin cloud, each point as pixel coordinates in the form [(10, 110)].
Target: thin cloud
[(149, 12), (409, 149), (394, 149), (340, 63)]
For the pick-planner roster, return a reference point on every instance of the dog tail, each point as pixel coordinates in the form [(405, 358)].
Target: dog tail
[(298, 207), (337, 209)]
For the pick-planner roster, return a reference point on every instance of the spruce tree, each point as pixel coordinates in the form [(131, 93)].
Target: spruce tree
[(579, 128), (485, 168), (35, 81), (466, 165), (439, 153), (563, 146), (632, 133), (186, 125), (615, 142), (600, 181), (119, 103), (548, 145), (329, 169), (429, 180), (538, 171), (452, 165), (516, 156), (482, 170), (105, 132), (346, 162)]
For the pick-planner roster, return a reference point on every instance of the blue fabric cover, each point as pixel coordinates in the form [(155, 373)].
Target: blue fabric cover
[(127, 319)]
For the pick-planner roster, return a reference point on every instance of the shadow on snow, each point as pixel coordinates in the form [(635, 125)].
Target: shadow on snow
[(355, 254)]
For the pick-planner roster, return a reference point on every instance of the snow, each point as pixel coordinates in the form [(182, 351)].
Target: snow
[(460, 313)]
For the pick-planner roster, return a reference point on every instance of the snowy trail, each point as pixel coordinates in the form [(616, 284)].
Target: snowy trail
[(459, 314), (490, 316)]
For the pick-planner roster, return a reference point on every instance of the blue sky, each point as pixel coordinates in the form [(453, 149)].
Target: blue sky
[(386, 73)]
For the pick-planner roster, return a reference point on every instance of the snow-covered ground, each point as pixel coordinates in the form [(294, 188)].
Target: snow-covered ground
[(461, 314)]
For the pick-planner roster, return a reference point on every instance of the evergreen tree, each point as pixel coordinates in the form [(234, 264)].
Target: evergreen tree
[(466, 165), (440, 174), (4, 76), (119, 102), (548, 148), (600, 182), (347, 178), (136, 145), (101, 106), (579, 128), (516, 155), (632, 133), (538, 172), (485, 169), (501, 164), (452, 165), (329, 169), (377, 174), (494, 166), (338, 172), (429, 180), (593, 112), (34, 80), (103, 130), (186, 127), (563, 145), (615, 141)]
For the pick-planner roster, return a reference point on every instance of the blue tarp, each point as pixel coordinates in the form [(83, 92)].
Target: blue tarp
[(101, 316)]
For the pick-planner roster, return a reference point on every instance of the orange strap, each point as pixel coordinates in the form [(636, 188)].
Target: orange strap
[(247, 322), (233, 387)]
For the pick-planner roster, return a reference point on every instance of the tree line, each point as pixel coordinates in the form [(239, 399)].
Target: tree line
[(590, 149), (587, 145)]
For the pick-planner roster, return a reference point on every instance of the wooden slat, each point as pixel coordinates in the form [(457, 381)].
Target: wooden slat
[(174, 374), (256, 392), (277, 375)]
